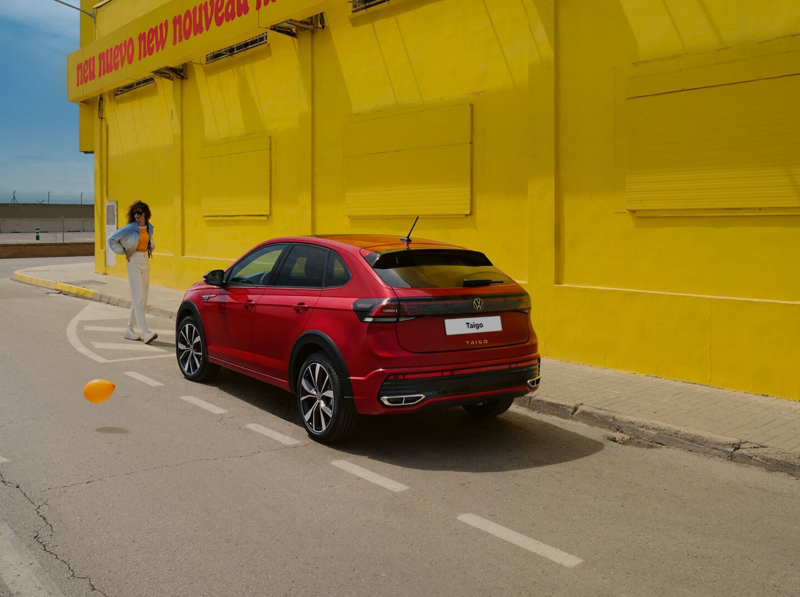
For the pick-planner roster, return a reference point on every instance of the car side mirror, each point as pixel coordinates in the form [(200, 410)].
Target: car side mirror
[(214, 277)]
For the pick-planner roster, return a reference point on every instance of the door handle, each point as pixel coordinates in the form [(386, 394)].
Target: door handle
[(249, 304), (301, 307)]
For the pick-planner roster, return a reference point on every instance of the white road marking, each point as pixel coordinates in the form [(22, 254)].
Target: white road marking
[(2, 460), (20, 571), (144, 379), (551, 553), (158, 356), (96, 312), (203, 404), (284, 439), (100, 328), (72, 336), (369, 475), (128, 346)]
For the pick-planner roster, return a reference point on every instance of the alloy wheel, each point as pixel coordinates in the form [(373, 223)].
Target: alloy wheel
[(316, 398), (191, 349)]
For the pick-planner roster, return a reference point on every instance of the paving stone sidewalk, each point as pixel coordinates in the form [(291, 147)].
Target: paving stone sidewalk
[(749, 428)]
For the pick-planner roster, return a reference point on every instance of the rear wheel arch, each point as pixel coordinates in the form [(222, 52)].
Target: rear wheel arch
[(307, 344)]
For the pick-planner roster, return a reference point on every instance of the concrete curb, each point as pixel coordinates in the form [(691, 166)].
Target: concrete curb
[(729, 448), (89, 294)]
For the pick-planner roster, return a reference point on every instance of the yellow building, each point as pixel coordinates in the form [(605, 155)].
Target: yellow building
[(634, 163)]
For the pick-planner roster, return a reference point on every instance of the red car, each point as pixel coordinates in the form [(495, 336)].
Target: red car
[(364, 325)]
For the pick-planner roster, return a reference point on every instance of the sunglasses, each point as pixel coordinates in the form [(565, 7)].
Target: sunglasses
[(138, 212)]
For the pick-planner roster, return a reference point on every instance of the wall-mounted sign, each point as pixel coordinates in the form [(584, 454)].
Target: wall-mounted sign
[(177, 32)]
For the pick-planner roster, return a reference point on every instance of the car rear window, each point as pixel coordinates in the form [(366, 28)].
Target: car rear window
[(436, 268)]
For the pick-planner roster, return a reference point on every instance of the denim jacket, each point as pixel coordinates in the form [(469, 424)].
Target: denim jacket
[(125, 240)]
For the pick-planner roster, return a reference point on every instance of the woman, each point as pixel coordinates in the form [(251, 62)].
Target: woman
[(135, 241)]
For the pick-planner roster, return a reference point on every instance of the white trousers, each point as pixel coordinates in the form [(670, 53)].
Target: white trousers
[(139, 279)]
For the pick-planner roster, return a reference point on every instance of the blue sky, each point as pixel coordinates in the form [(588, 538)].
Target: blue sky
[(38, 126)]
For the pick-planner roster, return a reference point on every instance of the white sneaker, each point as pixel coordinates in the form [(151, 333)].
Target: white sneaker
[(149, 337), (131, 335)]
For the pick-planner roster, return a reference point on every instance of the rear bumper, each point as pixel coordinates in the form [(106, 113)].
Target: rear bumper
[(395, 391)]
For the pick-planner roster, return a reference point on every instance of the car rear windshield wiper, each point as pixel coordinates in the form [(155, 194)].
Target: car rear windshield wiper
[(469, 283)]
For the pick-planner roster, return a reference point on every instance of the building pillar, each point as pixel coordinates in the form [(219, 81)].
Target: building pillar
[(305, 130)]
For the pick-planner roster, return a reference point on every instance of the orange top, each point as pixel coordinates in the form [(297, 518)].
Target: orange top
[(144, 240)]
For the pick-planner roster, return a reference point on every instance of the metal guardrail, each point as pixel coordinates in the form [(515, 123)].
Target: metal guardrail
[(62, 225), (47, 198)]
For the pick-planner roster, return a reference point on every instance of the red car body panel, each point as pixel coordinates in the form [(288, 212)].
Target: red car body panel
[(254, 331)]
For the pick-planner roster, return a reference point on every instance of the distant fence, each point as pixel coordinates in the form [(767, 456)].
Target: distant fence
[(61, 225), (47, 198)]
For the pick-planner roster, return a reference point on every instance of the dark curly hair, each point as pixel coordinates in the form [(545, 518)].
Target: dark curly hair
[(138, 205)]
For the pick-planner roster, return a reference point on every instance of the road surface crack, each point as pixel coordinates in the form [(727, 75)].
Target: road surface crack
[(49, 527)]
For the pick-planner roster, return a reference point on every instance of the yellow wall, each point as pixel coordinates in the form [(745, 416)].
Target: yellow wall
[(579, 115)]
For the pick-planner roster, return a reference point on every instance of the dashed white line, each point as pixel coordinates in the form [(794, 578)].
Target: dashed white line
[(369, 475), (128, 346), (203, 404), (284, 439), (144, 379), (101, 328), (551, 553)]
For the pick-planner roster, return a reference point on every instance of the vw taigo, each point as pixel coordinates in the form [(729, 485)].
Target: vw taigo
[(364, 325)]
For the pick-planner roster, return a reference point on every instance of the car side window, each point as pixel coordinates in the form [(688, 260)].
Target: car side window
[(255, 269), (303, 268), (336, 272)]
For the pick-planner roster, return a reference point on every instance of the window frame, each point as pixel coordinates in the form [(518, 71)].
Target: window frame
[(325, 286), (278, 264), (279, 267)]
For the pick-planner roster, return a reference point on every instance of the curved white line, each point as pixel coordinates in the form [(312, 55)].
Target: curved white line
[(72, 336)]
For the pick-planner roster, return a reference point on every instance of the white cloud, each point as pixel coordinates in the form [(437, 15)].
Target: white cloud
[(45, 15)]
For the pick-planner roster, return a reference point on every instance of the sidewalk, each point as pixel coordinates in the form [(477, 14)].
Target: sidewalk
[(746, 428)]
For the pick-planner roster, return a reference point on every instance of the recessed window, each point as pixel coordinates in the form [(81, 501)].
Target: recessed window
[(253, 42), (134, 86), (359, 5)]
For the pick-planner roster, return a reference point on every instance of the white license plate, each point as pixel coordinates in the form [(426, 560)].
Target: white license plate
[(477, 325)]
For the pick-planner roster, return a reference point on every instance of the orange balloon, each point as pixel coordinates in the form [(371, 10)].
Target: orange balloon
[(98, 390)]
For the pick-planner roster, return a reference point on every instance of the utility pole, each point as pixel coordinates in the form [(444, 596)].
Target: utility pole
[(48, 197)]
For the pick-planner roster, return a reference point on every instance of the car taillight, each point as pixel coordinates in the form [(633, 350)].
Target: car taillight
[(376, 310), (391, 310)]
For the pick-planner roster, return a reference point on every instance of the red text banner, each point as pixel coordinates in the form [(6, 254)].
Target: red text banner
[(174, 33)]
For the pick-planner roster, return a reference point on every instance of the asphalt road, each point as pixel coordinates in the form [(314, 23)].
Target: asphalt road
[(187, 489)]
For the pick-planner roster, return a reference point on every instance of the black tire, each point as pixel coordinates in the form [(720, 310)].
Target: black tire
[(190, 349), (485, 410), (320, 400)]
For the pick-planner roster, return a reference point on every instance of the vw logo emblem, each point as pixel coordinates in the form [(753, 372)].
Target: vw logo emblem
[(477, 304)]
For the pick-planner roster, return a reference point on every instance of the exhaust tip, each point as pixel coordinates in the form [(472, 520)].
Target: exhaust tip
[(403, 400)]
